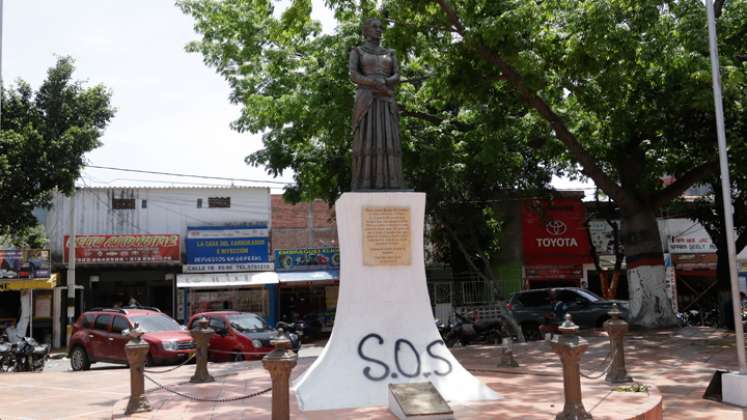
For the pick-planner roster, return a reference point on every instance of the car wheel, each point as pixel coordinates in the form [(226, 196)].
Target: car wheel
[(238, 356), (531, 331), (79, 359), (149, 362), (601, 321)]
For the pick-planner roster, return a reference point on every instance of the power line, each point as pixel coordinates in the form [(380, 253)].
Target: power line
[(187, 175)]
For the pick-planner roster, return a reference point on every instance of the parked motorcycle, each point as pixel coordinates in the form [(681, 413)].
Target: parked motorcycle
[(25, 355), (467, 331), (293, 331)]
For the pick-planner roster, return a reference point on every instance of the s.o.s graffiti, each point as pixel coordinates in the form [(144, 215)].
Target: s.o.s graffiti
[(401, 347)]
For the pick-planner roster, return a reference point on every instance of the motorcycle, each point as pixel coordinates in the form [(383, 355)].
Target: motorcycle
[(30, 355), (26, 355), (467, 331), (293, 331)]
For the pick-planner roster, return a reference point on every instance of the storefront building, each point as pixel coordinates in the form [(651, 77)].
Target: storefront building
[(130, 241), (26, 286), (227, 268), (555, 242), (308, 282)]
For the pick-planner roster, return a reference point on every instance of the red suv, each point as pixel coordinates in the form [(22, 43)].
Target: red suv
[(238, 335), (97, 337)]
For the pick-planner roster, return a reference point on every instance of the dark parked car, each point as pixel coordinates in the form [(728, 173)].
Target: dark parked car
[(97, 337), (532, 308)]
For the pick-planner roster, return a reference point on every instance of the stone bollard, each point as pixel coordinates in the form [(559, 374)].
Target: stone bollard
[(570, 347), (201, 334), (280, 362), (506, 355), (616, 329), (137, 352)]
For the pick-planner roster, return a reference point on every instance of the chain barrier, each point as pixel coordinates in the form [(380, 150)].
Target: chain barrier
[(610, 356), (191, 356), (201, 399)]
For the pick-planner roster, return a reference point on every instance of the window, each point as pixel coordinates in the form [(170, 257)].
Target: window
[(102, 322), (120, 324), (199, 203), (219, 202), (123, 203), (534, 298), (144, 204), (217, 324), (87, 321)]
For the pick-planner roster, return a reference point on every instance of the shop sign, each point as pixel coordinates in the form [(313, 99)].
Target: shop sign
[(307, 259), (554, 232), (603, 237), (695, 262), (553, 272), (688, 237), (227, 249), (125, 249), (24, 264)]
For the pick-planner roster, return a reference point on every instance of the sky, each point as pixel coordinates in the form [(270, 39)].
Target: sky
[(173, 112)]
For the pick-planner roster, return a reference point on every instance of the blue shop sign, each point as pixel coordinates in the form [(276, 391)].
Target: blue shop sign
[(307, 259), (227, 245)]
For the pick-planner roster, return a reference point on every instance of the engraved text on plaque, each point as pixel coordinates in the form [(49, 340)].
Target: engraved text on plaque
[(386, 236)]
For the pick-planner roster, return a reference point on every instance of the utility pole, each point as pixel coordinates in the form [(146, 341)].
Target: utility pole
[(734, 385), (71, 267)]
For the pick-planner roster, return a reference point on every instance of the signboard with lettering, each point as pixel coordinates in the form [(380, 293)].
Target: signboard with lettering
[(554, 232), (227, 249), (125, 249), (685, 236), (24, 264), (307, 259)]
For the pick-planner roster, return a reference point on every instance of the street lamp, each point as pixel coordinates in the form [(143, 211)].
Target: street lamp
[(734, 385)]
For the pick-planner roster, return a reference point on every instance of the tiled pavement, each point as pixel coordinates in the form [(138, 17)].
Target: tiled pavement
[(680, 363)]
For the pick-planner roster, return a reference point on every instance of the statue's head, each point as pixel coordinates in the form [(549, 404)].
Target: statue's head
[(372, 29)]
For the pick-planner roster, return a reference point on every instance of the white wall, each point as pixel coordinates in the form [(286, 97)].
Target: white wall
[(169, 210)]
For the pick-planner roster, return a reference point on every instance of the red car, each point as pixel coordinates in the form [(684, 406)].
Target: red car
[(238, 335), (97, 337)]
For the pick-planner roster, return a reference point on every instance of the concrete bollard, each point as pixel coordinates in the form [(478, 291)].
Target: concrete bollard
[(616, 329), (570, 347), (137, 352), (506, 355), (280, 362), (201, 334)]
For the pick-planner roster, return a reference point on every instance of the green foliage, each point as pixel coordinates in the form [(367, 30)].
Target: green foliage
[(628, 78), (43, 139)]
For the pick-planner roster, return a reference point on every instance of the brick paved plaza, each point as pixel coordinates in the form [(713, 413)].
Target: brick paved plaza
[(679, 363)]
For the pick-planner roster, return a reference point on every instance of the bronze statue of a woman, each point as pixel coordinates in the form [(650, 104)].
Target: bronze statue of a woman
[(377, 156)]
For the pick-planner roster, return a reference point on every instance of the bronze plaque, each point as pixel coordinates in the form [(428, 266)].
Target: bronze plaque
[(386, 236)]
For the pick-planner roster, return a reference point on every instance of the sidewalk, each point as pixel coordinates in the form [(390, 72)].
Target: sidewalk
[(680, 363)]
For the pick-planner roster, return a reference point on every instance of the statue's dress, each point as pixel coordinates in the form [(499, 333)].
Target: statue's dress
[(377, 158)]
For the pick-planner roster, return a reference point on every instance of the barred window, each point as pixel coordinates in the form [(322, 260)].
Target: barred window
[(219, 202), (123, 203)]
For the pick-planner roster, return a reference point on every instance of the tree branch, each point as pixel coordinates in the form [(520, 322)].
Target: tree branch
[(433, 118), (577, 151), (682, 183), (718, 7)]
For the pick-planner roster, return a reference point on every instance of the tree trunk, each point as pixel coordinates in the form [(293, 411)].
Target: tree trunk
[(650, 304)]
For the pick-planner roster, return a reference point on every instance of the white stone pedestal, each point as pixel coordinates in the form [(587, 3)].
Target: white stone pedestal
[(734, 388), (384, 330)]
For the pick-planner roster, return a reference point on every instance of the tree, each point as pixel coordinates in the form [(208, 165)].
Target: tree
[(620, 89), (467, 153), (44, 137)]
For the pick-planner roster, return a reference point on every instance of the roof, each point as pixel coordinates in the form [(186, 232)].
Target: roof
[(172, 187)]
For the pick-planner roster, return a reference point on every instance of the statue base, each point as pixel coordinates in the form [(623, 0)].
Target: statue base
[(384, 331)]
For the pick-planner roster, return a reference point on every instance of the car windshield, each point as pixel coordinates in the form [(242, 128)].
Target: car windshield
[(155, 323), (247, 323), (591, 296)]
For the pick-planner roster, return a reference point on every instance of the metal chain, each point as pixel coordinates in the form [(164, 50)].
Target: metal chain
[(604, 371), (191, 356), (199, 399)]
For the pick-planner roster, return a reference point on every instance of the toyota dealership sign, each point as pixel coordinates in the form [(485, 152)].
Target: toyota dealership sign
[(555, 232)]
